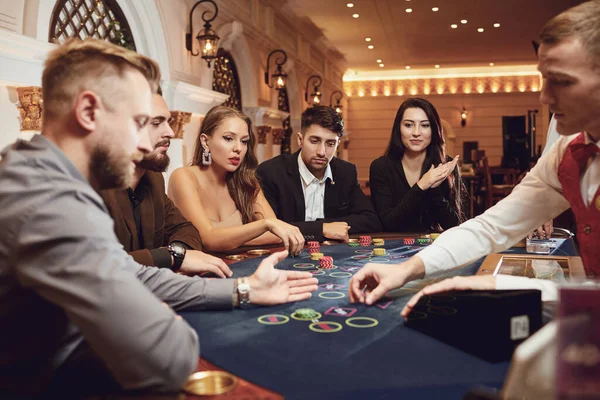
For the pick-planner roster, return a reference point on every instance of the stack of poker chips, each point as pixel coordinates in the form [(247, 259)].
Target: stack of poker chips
[(326, 262), (378, 251), (316, 256), (314, 247), (408, 240), (305, 313), (353, 243), (364, 241), (423, 240), (378, 242)]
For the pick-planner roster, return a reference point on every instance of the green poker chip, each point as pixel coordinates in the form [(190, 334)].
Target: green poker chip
[(305, 314)]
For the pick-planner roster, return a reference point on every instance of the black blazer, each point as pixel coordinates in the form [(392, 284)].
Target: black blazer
[(344, 200), (402, 208)]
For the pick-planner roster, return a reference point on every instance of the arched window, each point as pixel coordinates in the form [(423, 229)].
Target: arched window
[(283, 104), (225, 79), (100, 19)]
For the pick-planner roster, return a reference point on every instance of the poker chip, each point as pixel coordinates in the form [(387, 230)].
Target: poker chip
[(316, 256), (313, 247), (305, 313), (378, 242), (408, 240), (326, 262), (364, 241), (423, 241), (434, 236), (379, 251), (354, 244)]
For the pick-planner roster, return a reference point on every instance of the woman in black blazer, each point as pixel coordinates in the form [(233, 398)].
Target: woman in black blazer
[(415, 187)]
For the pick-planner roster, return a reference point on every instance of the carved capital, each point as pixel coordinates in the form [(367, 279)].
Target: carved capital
[(30, 108), (263, 131), (278, 135), (180, 118)]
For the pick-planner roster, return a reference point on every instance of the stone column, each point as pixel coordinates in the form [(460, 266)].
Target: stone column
[(261, 145), (278, 134)]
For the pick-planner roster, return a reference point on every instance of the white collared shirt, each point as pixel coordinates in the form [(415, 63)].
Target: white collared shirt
[(509, 221), (314, 191)]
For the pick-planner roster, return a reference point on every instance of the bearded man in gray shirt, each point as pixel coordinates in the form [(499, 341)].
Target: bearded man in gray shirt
[(66, 285)]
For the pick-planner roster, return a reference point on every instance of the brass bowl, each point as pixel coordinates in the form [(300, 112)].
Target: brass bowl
[(236, 257), (207, 383), (258, 252)]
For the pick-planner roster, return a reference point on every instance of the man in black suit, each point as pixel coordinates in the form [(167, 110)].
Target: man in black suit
[(313, 190)]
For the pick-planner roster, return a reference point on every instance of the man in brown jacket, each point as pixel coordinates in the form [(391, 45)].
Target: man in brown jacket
[(147, 223)]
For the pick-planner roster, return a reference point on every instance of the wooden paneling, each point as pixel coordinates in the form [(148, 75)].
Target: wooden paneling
[(369, 121)]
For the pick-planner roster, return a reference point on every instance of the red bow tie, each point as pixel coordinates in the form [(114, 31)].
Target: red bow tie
[(583, 152)]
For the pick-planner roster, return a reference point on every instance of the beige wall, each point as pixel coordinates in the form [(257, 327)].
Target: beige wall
[(370, 120)]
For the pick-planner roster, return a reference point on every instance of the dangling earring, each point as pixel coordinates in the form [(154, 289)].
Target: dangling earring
[(206, 157)]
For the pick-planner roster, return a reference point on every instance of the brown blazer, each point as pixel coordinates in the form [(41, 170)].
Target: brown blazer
[(162, 222)]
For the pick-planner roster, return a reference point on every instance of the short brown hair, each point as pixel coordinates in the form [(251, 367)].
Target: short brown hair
[(582, 22), (79, 65)]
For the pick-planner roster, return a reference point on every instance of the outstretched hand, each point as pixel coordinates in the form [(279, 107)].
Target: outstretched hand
[(270, 286)]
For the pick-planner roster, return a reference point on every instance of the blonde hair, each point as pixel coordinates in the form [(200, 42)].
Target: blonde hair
[(581, 22), (89, 64)]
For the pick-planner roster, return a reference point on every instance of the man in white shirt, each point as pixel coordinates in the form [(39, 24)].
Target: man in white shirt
[(569, 60)]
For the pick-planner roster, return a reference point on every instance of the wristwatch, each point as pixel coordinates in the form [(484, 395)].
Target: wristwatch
[(243, 290), (178, 253)]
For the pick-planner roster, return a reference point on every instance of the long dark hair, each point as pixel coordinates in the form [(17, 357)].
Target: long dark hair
[(435, 153), (242, 183)]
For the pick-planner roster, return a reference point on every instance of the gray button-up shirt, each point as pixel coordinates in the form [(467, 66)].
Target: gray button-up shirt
[(65, 278)]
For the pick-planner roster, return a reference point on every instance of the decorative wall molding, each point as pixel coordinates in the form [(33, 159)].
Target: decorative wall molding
[(178, 122), (259, 115), (262, 131), (30, 108), (460, 85), (22, 59), (278, 134), (185, 97)]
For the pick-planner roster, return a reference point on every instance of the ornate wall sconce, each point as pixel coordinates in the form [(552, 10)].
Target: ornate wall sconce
[(30, 108), (207, 37), (338, 106), (279, 78), (463, 117), (315, 95)]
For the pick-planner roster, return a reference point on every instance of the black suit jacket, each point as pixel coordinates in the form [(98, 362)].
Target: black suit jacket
[(344, 200)]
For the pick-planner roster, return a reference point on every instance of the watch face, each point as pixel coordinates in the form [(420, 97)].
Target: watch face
[(243, 287), (178, 249)]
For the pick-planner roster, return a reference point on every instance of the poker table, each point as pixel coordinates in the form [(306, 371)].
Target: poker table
[(347, 351)]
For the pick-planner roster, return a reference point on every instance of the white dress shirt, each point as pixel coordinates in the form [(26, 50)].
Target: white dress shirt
[(537, 199), (314, 191)]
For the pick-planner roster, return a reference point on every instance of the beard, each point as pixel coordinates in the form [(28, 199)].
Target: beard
[(111, 168), (156, 161)]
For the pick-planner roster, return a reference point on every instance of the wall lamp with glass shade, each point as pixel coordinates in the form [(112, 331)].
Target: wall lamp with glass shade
[(207, 37), (338, 106), (279, 78), (315, 95)]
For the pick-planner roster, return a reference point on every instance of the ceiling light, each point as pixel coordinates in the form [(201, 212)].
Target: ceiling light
[(382, 65), (370, 47), (379, 60), (367, 39), (479, 29), (437, 65), (350, 5), (407, 67), (496, 25), (408, 10), (435, 9), (463, 21), (355, 15), (453, 26), (491, 64)]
